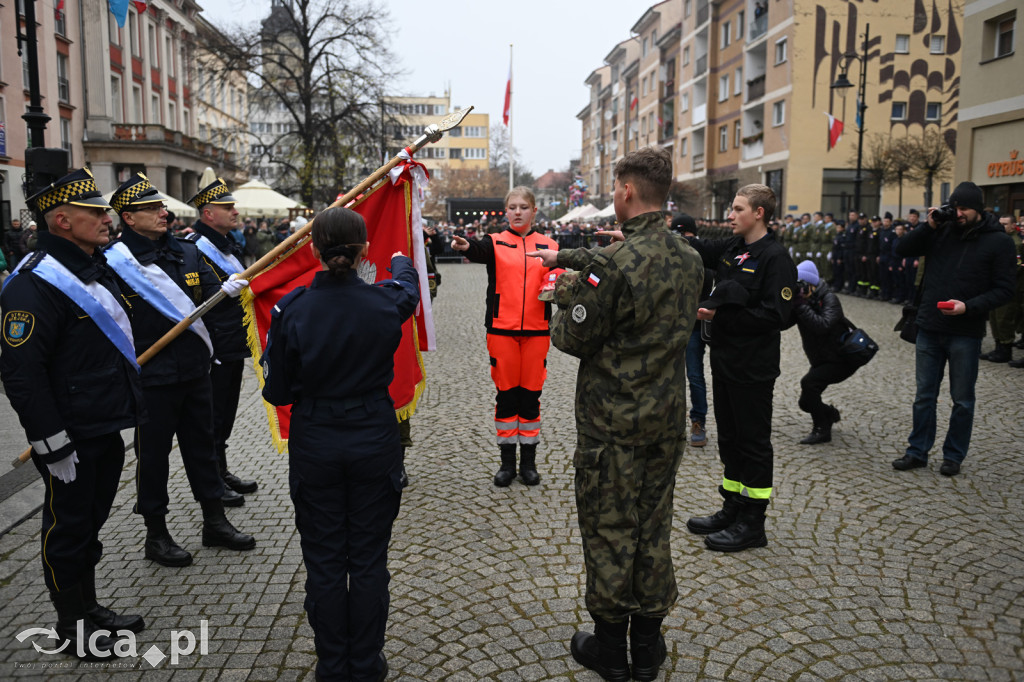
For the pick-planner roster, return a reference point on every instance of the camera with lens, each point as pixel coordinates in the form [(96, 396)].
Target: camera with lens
[(944, 214)]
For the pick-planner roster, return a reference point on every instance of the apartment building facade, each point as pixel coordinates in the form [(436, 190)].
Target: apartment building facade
[(738, 90), (466, 147), (991, 119)]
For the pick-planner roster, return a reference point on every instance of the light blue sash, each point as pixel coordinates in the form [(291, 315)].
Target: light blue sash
[(98, 303), (226, 262), (156, 288)]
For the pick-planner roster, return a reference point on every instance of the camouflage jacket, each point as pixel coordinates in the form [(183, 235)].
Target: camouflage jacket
[(628, 317)]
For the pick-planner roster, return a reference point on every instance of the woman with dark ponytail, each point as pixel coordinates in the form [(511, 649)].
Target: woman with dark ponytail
[(330, 355)]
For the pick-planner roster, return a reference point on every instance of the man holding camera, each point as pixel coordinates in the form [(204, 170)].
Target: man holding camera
[(970, 271)]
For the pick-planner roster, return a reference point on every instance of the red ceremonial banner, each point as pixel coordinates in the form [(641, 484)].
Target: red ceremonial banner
[(387, 210)]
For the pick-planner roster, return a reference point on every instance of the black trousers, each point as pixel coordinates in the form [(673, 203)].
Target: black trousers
[(185, 409), (838, 275), (74, 513), (885, 279), (743, 416), (346, 479), (814, 383), (226, 380)]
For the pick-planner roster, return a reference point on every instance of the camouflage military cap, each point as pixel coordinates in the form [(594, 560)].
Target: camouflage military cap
[(562, 293)]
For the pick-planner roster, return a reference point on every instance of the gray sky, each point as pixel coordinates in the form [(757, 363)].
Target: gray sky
[(556, 45)]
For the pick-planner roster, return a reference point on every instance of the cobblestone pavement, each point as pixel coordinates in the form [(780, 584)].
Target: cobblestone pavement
[(870, 573)]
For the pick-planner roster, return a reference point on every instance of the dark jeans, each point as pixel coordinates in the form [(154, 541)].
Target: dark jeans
[(695, 376), (814, 383), (934, 351), (743, 416)]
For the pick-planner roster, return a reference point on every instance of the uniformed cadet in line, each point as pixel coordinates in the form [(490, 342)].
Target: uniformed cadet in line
[(165, 280), (754, 284), (217, 217), (628, 317), (330, 354), (1003, 320), (68, 367)]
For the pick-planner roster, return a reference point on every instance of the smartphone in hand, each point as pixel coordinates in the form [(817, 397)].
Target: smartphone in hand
[(945, 305)]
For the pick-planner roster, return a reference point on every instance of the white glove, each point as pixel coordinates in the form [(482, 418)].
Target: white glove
[(233, 287), (65, 468)]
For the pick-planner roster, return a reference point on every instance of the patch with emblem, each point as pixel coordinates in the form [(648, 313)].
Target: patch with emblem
[(579, 313), (192, 279), (787, 293), (266, 370), (18, 326)]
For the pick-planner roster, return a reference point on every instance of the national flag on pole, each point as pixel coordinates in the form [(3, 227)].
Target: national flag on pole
[(507, 111), (632, 104), (393, 223), (119, 8), (835, 130)]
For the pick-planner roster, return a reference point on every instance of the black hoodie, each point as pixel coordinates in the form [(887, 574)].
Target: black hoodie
[(973, 264)]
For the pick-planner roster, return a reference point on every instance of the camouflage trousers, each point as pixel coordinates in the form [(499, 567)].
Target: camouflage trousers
[(624, 501)]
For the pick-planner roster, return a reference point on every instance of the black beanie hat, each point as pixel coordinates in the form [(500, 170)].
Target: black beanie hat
[(968, 195)]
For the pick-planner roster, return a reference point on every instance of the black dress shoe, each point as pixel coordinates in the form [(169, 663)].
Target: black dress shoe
[(949, 468), (108, 620), (907, 462), (231, 498), (239, 485)]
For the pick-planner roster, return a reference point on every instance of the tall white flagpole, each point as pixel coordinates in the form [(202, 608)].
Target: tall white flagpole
[(511, 119)]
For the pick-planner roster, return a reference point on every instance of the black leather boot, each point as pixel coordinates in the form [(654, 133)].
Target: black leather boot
[(723, 518), (815, 436), (507, 473), (604, 652), (747, 532), (1001, 353), (218, 531), (101, 615), (233, 482), (646, 647), (161, 547), (528, 463), (71, 612)]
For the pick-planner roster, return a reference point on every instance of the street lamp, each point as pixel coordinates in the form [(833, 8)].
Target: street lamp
[(841, 84)]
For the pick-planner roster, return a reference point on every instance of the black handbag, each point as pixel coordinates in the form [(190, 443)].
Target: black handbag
[(907, 325), (856, 347)]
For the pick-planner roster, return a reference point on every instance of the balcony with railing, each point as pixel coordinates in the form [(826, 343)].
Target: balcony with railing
[(700, 114), (753, 147), (698, 162), (702, 12), (758, 27), (160, 135), (755, 88), (700, 67)]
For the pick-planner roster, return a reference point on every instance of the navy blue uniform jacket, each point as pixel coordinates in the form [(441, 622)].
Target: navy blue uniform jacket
[(337, 338), (63, 375), (225, 321)]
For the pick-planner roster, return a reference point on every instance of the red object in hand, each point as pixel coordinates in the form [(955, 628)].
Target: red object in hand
[(945, 305)]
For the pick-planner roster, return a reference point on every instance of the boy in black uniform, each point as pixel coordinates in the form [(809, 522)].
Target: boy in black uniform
[(166, 279), (755, 280), (68, 367), (217, 217)]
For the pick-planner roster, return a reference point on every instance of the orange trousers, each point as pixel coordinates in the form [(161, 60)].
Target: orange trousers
[(518, 368)]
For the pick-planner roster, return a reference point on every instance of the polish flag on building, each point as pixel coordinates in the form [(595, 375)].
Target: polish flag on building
[(507, 111), (632, 105), (835, 130)]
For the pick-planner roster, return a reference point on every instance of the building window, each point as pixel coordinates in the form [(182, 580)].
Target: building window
[(65, 135), (723, 138), (902, 43), (154, 48), (645, 47), (116, 106), (737, 86), (133, 33), (1004, 36), (58, 18), (739, 24), (643, 86), (736, 134), (938, 44), (186, 123), (169, 45), (780, 51), (779, 113), (137, 111), (643, 126), (63, 85), (684, 102), (726, 35), (24, 68), (899, 111), (154, 109), (115, 32), (723, 88), (455, 153), (933, 111), (686, 55), (687, 8), (683, 146), (172, 115)]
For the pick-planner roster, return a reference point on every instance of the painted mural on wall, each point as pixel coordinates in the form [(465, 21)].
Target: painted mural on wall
[(834, 38)]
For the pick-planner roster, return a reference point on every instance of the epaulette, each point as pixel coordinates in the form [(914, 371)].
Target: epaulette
[(286, 300), (34, 259), (191, 237)]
